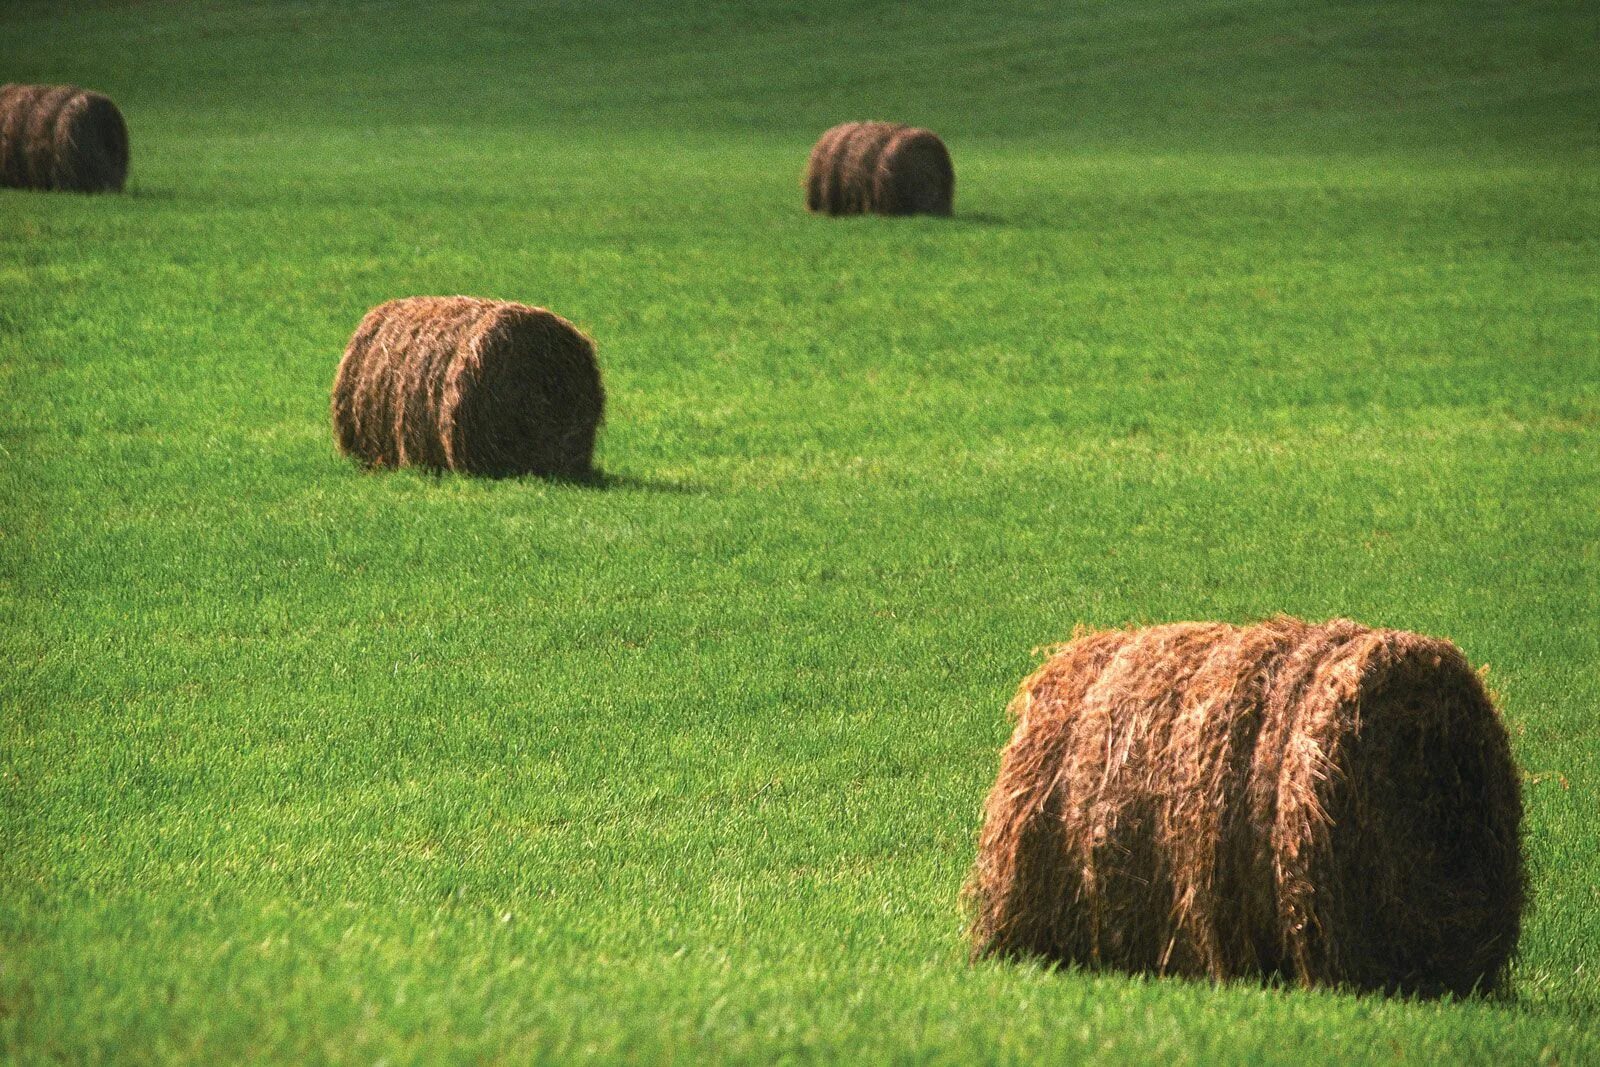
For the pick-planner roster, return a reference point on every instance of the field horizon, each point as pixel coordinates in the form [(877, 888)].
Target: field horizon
[(1245, 309)]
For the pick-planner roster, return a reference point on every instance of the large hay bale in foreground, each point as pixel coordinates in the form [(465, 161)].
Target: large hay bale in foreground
[(61, 137), (879, 167), (476, 386), (1329, 804)]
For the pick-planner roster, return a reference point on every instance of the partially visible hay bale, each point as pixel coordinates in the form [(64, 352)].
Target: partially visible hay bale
[(879, 167), (61, 137), (1329, 804), (476, 386)]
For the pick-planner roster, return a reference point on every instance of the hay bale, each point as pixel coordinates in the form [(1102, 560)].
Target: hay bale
[(475, 386), (1327, 804), (61, 137), (879, 167)]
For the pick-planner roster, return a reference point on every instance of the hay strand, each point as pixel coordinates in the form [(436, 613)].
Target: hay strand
[(879, 168), (61, 137), (475, 386), (1328, 804)]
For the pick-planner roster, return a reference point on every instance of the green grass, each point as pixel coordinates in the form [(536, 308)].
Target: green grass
[(1247, 308)]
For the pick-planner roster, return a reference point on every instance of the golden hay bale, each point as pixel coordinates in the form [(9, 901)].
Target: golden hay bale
[(1329, 804), (476, 386), (61, 137), (879, 167)]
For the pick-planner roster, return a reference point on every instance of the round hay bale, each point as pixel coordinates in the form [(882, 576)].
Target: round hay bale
[(822, 168), (1326, 804), (881, 168), (61, 137), (475, 386), (856, 161)]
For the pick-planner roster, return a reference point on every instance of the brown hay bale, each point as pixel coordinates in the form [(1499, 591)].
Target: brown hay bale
[(61, 137), (856, 165), (1329, 804), (821, 168), (475, 386), (879, 167)]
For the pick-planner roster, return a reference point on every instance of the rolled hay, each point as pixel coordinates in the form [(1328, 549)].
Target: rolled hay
[(61, 137), (1323, 804), (475, 386), (881, 168)]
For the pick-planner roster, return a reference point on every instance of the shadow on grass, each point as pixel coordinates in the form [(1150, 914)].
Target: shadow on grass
[(630, 482), (1513, 997), (979, 218), (596, 479)]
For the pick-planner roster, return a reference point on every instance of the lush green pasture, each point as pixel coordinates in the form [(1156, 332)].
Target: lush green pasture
[(1246, 308)]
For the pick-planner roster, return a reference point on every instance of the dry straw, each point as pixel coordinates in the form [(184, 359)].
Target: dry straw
[(879, 167), (61, 137), (475, 386), (1326, 804)]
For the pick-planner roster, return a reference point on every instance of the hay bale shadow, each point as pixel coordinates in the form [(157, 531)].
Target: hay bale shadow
[(605, 481), (633, 483)]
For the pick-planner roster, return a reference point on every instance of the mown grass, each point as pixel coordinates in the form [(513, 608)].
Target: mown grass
[(1247, 308)]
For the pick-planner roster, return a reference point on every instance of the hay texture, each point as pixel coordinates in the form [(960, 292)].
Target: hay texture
[(880, 168), (1325, 804), (474, 386), (61, 137)]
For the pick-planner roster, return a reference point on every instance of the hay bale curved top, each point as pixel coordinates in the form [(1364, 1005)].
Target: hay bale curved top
[(61, 137), (463, 384), (1328, 803), (879, 167)]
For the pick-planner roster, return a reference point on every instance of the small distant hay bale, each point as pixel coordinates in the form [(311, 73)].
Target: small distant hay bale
[(879, 168), (474, 386), (61, 137), (1324, 804)]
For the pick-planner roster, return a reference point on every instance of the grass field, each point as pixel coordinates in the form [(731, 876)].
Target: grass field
[(1247, 307)]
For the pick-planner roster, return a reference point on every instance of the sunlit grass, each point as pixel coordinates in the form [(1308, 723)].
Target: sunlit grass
[(302, 763)]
